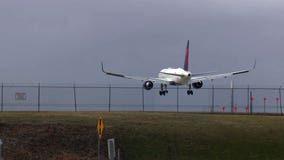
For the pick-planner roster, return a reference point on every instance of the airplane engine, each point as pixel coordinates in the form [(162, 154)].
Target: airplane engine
[(197, 85), (148, 85)]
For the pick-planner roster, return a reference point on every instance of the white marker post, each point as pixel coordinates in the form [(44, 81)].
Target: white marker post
[(1, 149), (111, 149)]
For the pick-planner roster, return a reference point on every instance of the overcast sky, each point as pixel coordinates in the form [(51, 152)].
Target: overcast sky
[(63, 41)]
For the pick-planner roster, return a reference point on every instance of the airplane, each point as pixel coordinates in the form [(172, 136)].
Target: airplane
[(178, 76)]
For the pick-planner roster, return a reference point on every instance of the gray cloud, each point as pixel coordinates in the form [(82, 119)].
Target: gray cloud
[(64, 41)]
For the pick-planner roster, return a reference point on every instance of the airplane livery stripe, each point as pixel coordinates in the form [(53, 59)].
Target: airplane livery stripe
[(186, 57)]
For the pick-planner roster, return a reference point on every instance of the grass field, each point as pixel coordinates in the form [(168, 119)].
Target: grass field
[(176, 136)]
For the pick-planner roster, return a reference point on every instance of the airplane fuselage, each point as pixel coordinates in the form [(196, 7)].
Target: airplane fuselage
[(176, 76)]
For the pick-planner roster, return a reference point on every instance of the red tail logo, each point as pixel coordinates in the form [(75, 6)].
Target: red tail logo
[(185, 67)]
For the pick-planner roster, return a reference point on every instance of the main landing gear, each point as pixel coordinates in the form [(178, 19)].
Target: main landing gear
[(163, 90), (189, 91)]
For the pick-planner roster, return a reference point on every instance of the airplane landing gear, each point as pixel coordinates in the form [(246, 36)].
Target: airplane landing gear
[(162, 93), (189, 91), (163, 90)]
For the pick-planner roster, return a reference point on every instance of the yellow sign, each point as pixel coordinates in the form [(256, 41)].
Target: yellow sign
[(100, 126)]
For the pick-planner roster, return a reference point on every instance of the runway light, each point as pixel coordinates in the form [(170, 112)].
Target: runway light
[(277, 99), (264, 98), (252, 98)]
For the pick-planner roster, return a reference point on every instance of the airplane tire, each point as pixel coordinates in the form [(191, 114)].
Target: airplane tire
[(189, 92)]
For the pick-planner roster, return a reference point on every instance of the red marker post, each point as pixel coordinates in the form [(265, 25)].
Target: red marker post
[(235, 108), (247, 109), (251, 102), (264, 103), (277, 99), (223, 108)]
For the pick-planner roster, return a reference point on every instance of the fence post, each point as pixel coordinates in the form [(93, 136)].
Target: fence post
[(177, 99), (109, 97), (143, 99), (75, 97), (280, 100), (2, 97), (38, 98), (213, 97)]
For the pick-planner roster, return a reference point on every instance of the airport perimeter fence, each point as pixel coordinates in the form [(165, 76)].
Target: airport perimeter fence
[(39, 97)]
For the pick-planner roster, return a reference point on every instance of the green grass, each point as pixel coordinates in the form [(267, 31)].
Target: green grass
[(178, 136)]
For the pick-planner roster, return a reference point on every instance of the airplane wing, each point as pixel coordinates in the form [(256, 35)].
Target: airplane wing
[(198, 78), (155, 80)]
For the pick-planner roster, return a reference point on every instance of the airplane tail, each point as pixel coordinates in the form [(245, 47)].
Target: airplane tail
[(185, 67)]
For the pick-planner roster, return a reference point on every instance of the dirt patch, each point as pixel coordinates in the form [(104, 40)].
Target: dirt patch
[(51, 142)]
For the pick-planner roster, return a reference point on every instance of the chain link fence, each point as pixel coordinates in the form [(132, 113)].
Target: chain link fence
[(39, 97)]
